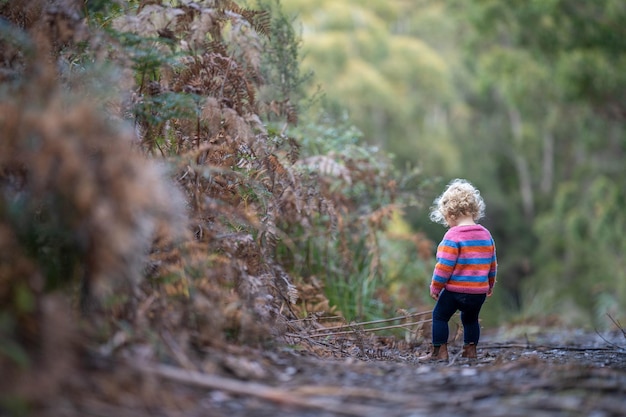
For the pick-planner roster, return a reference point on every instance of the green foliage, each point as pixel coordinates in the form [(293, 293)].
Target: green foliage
[(102, 11), (549, 87), (583, 41), (583, 236), (395, 87), (407, 261), (361, 191), (327, 134), (147, 54), (167, 106), (284, 87)]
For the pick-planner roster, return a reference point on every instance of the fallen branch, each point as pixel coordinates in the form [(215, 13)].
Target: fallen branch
[(375, 329), (316, 318), (257, 390), (315, 343), (365, 323)]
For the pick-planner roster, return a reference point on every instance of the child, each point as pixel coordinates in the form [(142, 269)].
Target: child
[(465, 272)]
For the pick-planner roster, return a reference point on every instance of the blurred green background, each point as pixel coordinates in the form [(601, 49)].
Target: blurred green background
[(524, 98)]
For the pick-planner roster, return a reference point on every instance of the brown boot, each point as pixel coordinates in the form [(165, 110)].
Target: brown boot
[(437, 353), (469, 351)]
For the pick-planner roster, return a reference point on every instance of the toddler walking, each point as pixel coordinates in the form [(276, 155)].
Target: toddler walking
[(465, 272)]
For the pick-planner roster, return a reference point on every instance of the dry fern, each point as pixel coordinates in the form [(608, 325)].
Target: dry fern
[(244, 202)]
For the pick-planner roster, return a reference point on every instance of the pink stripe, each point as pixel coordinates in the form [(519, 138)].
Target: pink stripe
[(470, 272), (467, 290), (447, 256), (466, 253)]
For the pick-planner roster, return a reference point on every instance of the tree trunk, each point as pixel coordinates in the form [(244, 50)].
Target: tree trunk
[(521, 164), (547, 174)]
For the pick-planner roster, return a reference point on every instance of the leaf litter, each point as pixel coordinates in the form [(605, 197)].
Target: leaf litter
[(558, 373)]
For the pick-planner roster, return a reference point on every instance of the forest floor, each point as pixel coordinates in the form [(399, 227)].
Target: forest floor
[(558, 373)]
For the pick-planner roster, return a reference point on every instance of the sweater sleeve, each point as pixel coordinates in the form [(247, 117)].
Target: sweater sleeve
[(447, 255), (493, 268)]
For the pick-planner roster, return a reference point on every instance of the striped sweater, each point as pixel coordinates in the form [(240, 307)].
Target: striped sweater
[(466, 261)]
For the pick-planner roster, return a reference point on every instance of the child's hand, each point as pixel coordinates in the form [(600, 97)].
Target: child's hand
[(490, 292), (433, 295)]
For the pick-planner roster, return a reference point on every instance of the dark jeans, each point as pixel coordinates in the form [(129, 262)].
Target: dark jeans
[(448, 304)]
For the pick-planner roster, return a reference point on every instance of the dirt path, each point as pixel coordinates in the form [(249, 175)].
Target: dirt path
[(549, 377), (564, 374)]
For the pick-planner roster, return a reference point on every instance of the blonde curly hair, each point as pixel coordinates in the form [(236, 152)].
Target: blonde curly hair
[(459, 199)]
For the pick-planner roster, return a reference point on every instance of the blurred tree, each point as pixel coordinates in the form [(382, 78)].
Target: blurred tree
[(547, 94), (395, 86)]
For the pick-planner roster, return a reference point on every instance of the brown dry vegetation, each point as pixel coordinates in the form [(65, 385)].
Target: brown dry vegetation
[(170, 235)]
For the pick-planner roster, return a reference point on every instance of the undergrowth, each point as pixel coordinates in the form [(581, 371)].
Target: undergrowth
[(157, 181)]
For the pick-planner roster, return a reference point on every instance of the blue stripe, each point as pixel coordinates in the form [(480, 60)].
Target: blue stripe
[(446, 262), (466, 243), (463, 278), (475, 261), (450, 243), (440, 279)]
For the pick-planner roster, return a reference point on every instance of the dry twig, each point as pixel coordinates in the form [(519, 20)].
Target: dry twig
[(617, 324), (357, 329), (365, 323)]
